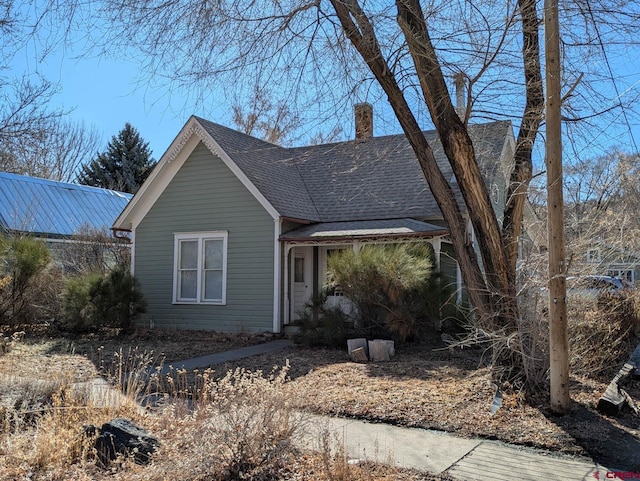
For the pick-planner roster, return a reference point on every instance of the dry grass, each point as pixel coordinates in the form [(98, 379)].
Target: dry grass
[(430, 387), (237, 427), (425, 385)]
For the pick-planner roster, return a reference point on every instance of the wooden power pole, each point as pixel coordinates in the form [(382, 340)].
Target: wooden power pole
[(558, 339)]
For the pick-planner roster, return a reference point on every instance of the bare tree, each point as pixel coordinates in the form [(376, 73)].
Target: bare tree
[(34, 137), (24, 112), (602, 201), (266, 120), (56, 151)]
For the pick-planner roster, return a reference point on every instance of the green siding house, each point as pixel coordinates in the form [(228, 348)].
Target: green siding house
[(231, 233)]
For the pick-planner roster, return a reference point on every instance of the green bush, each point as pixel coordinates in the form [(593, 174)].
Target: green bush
[(22, 261), (393, 286), (78, 312), (112, 300), (329, 327)]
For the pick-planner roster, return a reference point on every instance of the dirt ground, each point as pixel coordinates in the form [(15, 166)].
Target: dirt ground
[(425, 385)]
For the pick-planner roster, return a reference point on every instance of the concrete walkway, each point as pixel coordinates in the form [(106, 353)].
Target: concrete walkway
[(444, 453), (227, 356)]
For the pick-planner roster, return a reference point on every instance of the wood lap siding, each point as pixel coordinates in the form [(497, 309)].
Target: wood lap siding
[(206, 196), (449, 266)]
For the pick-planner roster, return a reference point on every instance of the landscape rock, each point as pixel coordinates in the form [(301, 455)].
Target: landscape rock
[(358, 355), (379, 350), (123, 437), (360, 342), (391, 347)]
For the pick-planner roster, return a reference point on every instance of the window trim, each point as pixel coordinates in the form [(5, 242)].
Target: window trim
[(594, 255), (200, 237)]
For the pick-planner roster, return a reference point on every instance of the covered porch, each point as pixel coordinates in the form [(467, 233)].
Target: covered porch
[(307, 249)]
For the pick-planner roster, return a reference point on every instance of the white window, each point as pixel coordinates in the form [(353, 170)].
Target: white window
[(593, 255), (624, 274), (200, 272)]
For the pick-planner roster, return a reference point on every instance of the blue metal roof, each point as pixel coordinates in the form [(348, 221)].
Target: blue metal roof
[(51, 208)]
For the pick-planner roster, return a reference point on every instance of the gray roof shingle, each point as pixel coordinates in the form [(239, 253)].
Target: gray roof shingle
[(379, 178), (267, 167)]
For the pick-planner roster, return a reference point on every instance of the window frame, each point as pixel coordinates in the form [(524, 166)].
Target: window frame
[(594, 255), (200, 238)]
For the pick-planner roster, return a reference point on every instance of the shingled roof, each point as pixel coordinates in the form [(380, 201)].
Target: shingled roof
[(55, 209), (378, 178), (269, 169), (359, 180)]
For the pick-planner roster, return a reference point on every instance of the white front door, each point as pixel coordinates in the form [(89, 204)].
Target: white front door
[(301, 279)]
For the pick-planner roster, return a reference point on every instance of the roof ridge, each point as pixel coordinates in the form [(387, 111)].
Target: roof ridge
[(390, 136), (267, 145), (58, 183)]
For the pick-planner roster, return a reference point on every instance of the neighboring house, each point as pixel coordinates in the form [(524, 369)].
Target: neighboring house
[(233, 233), (55, 211), (599, 258)]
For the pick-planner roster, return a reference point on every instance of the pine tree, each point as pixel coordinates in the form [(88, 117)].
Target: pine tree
[(123, 166)]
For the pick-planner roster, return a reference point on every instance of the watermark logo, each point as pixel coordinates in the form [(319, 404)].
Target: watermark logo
[(617, 475)]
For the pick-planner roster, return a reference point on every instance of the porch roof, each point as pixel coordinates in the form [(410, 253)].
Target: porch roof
[(364, 229)]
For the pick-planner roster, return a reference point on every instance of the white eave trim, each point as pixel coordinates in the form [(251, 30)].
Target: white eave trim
[(508, 148), (173, 159), (277, 278)]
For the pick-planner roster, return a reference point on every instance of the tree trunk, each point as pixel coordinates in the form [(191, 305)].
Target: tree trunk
[(531, 119), (363, 38), (459, 150), (492, 293)]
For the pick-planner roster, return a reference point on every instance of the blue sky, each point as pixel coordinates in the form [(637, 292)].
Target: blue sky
[(105, 93)]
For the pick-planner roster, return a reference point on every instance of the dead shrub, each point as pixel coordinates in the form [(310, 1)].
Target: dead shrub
[(42, 425), (239, 426), (48, 438), (93, 250), (602, 334)]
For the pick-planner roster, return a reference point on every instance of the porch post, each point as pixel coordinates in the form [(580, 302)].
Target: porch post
[(287, 280), (437, 247), (277, 263), (315, 286)]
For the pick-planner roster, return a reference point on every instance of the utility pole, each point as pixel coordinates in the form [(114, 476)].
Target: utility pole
[(558, 339)]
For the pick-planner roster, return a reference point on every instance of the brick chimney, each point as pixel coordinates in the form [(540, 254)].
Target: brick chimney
[(364, 121)]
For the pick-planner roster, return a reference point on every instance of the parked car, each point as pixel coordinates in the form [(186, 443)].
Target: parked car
[(592, 286)]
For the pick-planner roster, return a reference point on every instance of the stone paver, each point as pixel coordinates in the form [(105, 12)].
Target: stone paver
[(496, 461)]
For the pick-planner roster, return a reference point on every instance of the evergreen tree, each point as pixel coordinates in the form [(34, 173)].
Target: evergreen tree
[(123, 166)]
